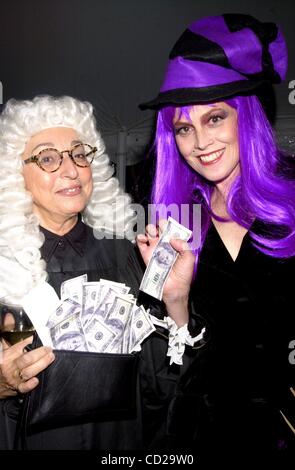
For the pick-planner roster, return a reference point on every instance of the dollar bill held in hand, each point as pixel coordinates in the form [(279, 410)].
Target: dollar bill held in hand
[(162, 259)]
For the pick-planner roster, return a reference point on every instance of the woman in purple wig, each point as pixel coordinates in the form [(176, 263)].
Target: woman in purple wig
[(215, 147)]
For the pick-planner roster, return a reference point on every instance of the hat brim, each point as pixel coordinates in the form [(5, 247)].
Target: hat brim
[(187, 96)]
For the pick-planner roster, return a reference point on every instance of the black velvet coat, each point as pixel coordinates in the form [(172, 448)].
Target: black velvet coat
[(230, 397)]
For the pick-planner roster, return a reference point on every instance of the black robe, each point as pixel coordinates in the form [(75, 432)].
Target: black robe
[(76, 253)]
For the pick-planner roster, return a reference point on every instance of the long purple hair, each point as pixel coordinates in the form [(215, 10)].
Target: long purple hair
[(262, 192)]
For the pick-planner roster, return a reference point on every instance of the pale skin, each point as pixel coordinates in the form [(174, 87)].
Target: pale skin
[(57, 199), (209, 144)]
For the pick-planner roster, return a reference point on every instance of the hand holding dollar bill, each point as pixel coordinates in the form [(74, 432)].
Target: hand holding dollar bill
[(162, 259)]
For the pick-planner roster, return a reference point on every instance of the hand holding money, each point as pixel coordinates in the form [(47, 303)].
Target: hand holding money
[(170, 265)]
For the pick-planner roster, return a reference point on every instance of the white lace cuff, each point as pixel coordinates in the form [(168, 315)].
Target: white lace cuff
[(178, 338)]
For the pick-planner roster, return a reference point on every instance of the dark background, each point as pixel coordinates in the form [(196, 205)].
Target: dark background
[(114, 53)]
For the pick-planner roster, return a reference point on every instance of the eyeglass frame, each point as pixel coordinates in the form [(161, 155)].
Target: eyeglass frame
[(35, 158)]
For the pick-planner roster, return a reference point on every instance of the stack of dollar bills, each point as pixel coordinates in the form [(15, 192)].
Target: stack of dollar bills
[(98, 316), (103, 316)]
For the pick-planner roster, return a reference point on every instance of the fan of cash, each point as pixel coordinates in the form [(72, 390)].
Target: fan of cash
[(98, 316), (103, 316)]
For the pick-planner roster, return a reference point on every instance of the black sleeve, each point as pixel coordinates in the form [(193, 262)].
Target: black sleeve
[(161, 383)]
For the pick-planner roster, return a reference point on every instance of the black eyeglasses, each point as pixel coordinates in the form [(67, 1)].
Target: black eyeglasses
[(50, 159)]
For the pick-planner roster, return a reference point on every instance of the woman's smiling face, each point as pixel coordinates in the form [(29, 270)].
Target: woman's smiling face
[(208, 141), (64, 193)]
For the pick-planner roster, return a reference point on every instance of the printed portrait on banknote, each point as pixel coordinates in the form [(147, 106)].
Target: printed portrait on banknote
[(164, 255)]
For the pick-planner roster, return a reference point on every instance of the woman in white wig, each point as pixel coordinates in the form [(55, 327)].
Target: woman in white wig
[(21, 262), (57, 193)]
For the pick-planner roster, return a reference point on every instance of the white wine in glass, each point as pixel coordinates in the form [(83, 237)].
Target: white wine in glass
[(15, 325)]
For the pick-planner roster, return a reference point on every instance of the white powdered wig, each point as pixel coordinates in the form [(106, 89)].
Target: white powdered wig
[(109, 210)]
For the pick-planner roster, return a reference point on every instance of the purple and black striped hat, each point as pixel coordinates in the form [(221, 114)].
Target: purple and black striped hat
[(221, 56)]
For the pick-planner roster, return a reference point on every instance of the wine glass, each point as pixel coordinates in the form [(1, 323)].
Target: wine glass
[(15, 325)]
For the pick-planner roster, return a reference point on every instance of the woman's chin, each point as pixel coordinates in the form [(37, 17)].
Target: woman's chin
[(72, 206)]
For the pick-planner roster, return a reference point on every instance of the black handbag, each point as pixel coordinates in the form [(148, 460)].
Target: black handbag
[(81, 387)]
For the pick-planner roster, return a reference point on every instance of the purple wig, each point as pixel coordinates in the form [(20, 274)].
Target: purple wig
[(261, 192)]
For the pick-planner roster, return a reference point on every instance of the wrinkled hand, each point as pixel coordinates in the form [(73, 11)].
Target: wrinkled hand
[(18, 368), (177, 286)]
